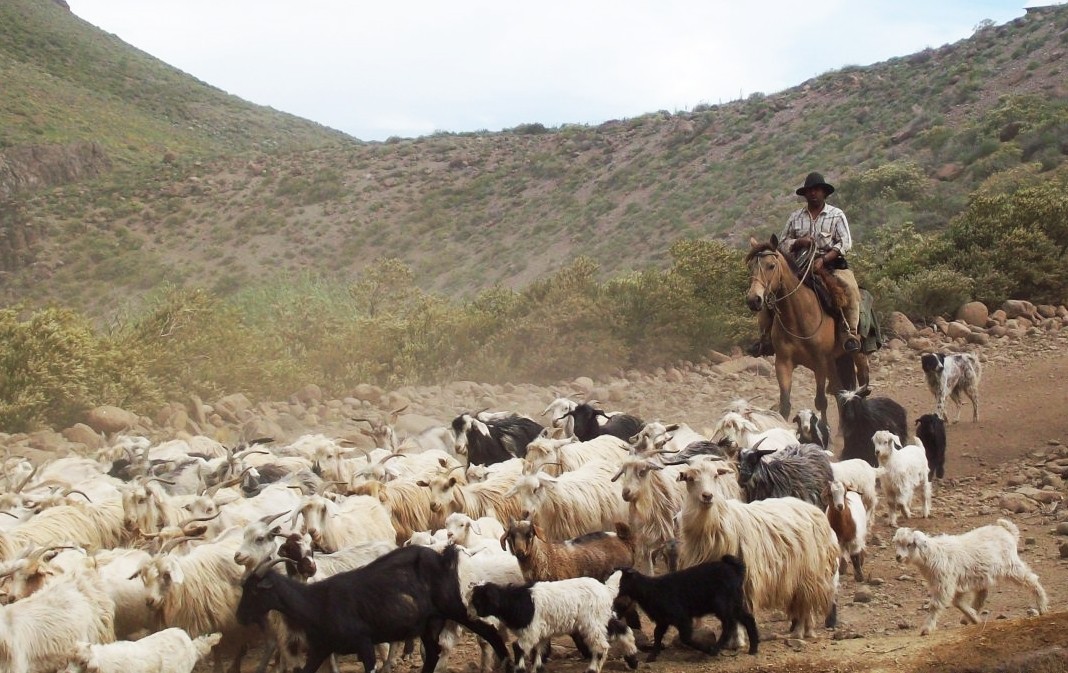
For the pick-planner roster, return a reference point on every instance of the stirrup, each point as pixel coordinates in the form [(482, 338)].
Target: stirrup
[(851, 344)]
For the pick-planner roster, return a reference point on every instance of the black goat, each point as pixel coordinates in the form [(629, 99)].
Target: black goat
[(408, 593), (799, 471), (862, 417), (495, 440), (623, 426), (695, 450), (931, 430), (676, 599)]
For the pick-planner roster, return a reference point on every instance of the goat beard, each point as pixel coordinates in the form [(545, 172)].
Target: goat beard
[(834, 287)]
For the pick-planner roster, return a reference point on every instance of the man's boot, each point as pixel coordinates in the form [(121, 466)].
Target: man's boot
[(761, 347)]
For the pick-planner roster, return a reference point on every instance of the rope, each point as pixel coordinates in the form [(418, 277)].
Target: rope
[(771, 301)]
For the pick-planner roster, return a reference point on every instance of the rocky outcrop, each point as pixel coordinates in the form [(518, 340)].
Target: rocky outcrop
[(25, 168)]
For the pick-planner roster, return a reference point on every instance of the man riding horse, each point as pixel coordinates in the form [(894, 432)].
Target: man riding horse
[(822, 230)]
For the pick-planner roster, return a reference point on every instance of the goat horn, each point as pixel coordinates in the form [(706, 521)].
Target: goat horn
[(81, 493), (13, 516), (212, 490), (171, 544), (269, 519), (25, 481), (254, 452), (186, 522), (390, 457), (397, 412), (618, 474), (160, 480), (262, 568), (368, 421), (39, 554)]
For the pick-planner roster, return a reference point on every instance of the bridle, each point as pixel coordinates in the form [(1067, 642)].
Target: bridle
[(771, 300)]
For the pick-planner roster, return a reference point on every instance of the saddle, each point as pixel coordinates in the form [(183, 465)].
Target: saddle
[(831, 296)]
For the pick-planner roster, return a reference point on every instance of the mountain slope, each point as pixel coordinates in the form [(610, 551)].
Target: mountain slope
[(65, 80), (906, 140)]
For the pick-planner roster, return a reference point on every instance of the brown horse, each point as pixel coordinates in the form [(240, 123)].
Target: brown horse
[(802, 332)]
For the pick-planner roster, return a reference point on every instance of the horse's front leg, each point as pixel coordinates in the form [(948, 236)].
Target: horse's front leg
[(784, 373), (821, 395)]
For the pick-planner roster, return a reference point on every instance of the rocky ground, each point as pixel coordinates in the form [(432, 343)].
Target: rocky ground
[(1011, 463)]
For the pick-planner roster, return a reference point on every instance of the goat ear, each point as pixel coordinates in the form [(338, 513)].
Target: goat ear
[(537, 532), (671, 428)]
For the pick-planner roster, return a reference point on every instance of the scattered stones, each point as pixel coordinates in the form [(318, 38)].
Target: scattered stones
[(1062, 528), (1064, 549), (1017, 503), (863, 596), (109, 419)]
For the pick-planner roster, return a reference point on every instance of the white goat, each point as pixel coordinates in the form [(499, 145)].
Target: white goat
[(903, 470), (654, 496), (962, 569), (583, 501), (582, 606), (790, 551), (556, 456), (471, 533), (167, 651), (38, 632), (744, 434), (656, 436), (359, 518)]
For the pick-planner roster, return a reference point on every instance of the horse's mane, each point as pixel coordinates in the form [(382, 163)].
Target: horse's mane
[(768, 247)]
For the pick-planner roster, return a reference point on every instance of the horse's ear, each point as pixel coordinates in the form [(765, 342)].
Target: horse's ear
[(753, 243), (775, 241)]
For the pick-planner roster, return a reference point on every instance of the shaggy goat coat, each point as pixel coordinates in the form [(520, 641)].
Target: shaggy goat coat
[(961, 569), (800, 471), (788, 547)]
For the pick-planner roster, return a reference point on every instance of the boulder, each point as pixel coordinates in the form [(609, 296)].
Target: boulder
[(198, 411), (921, 344), (979, 338), (716, 358), (900, 325), (259, 428), (974, 313), (366, 392), (1017, 503), (758, 366), (1014, 308), (957, 330), (233, 408), (1047, 310), (309, 393), (999, 317), (109, 419), (997, 331), (80, 433)]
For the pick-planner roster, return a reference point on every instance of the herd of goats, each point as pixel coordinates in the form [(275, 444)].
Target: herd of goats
[(146, 558)]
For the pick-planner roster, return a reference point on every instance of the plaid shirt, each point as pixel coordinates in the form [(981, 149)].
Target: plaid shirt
[(830, 230)]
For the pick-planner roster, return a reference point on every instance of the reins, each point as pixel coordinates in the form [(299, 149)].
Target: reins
[(771, 300)]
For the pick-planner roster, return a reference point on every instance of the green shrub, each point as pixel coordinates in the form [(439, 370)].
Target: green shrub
[(54, 367)]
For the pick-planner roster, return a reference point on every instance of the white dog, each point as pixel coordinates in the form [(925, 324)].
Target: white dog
[(949, 376)]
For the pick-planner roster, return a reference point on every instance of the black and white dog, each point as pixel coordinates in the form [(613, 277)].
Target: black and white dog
[(949, 375)]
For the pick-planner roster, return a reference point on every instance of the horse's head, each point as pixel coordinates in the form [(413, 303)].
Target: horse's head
[(767, 267)]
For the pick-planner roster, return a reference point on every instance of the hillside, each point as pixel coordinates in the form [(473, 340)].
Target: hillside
[(242, 194)]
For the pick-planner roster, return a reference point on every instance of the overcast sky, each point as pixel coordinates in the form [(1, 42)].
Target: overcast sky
[(412, 67)]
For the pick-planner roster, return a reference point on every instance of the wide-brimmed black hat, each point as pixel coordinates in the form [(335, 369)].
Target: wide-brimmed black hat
[(815, 179)]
